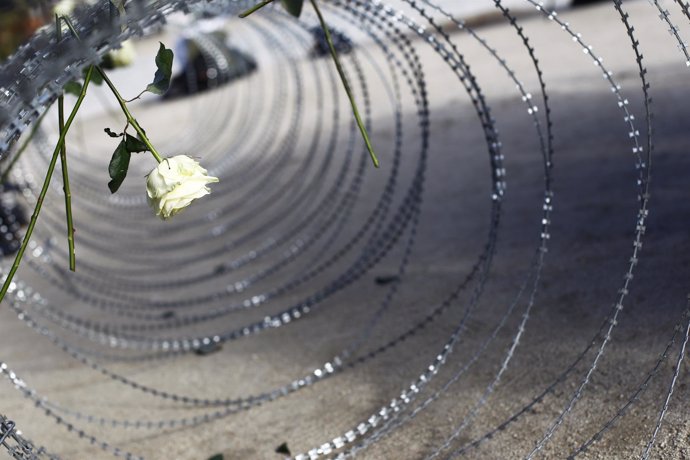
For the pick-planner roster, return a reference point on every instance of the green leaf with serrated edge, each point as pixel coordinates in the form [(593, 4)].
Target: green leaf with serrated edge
[(134, 145), (118, 166), (110, 133), (161, 80), (72, 87), (294, 7)]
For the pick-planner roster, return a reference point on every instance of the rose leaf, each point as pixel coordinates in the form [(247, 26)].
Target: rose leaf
[(72, 87), (118, 166), (96, 78), (161, 80), (294, 7), (134, 145)]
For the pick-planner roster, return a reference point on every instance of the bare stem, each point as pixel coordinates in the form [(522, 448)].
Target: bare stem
[(63, 165), (341, 72), (44, 189), (130, 118)]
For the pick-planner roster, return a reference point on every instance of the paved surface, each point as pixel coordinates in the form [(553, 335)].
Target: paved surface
[(591, 243)]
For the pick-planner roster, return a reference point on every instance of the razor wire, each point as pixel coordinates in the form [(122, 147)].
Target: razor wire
[(279, 246)]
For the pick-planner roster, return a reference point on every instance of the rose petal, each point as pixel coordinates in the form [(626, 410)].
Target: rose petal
[(175, 183)]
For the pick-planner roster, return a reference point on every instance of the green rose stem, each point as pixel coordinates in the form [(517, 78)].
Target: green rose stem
[(255, 7), (339, 67), (123, 103), (130, 119), (63, 165), (23, 147), (46, 183)]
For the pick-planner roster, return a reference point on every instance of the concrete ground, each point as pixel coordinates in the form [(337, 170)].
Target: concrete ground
[(590, 245)]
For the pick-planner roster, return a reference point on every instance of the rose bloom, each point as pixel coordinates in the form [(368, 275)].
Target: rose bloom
[(121, 57), (175, 183)]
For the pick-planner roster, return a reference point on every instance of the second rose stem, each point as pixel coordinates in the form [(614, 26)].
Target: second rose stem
[(123, 103), (63, 165), (343, 78), (44, 189)]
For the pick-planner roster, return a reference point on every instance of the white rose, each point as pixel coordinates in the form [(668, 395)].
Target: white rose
[(175, 183), (123, 56), (64, 7)]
